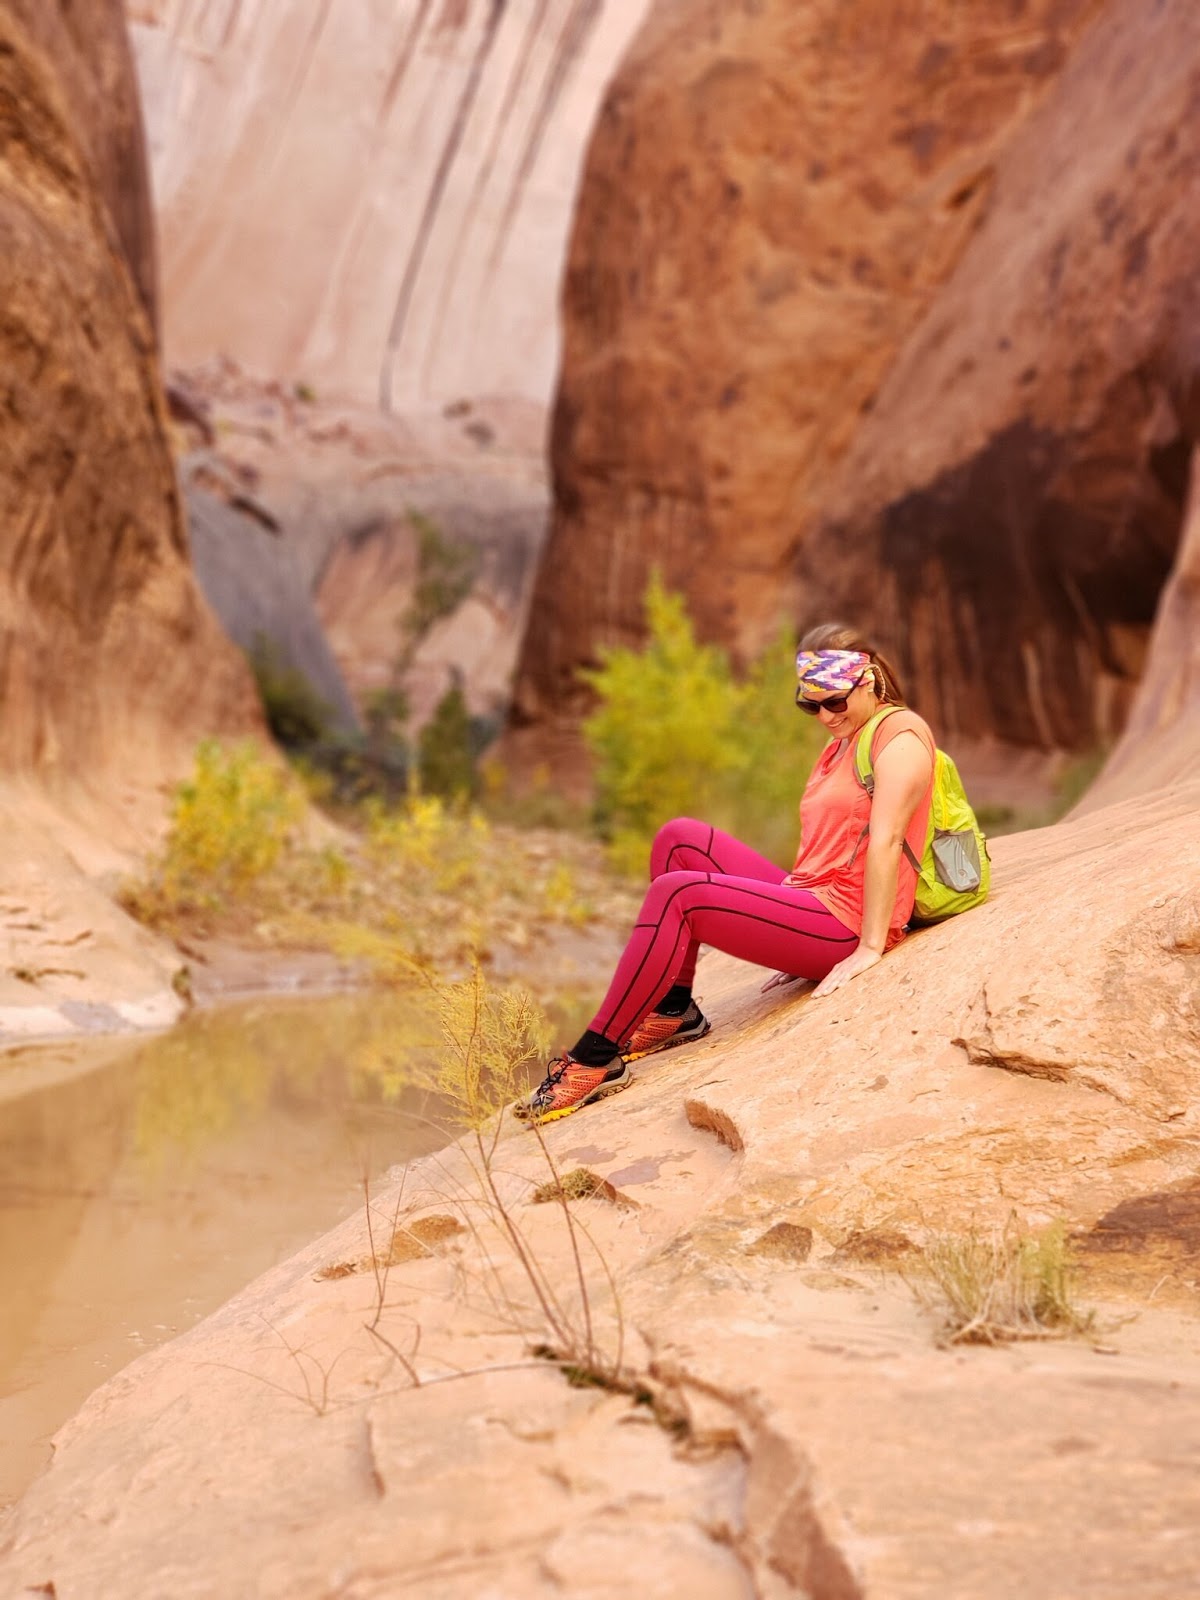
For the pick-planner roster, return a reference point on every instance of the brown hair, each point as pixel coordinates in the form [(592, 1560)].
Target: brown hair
[(838, 636)]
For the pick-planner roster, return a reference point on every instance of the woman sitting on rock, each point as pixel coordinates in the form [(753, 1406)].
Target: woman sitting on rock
[(844, 903)]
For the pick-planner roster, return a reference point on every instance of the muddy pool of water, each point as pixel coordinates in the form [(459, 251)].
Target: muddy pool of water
[(143, 1182)]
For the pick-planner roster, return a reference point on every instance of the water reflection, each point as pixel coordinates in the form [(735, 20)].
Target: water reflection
[(226, 1068), (141, 1185)]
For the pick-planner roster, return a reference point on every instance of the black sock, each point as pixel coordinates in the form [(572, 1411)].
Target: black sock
[(593, 1050), (676, 1001)]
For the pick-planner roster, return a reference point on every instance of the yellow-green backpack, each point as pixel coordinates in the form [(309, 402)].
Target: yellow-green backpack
[(954, 871)]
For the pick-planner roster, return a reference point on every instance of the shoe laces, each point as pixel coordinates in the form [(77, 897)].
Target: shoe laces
[(553, 1078)]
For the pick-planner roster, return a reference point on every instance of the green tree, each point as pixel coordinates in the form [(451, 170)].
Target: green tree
[(663, 732), (776, 747), (296, 714), (445, 748)]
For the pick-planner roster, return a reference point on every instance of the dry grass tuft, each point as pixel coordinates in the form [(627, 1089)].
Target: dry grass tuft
[(877, 1245), (580, 1184), (435, 1229), (335, 1270), (1003, 1287)]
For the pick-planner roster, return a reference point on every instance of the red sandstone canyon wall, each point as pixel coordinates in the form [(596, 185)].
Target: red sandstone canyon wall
[(1160, 745), (1015, 496), (886, 310), (111, 666)]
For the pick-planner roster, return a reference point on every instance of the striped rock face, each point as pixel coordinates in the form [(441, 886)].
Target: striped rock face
[(372, 198)]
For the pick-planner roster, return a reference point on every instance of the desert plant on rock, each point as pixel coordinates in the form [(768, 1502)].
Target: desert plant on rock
[(489, 1040), (999, 1287)]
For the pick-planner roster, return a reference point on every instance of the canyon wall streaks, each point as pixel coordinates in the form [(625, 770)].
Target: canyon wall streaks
[(373, 199), (884, 310), (1015, 496), (111, 665), (89, 47)]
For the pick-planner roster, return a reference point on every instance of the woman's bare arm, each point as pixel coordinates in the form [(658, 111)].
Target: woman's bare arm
[(902, 772)]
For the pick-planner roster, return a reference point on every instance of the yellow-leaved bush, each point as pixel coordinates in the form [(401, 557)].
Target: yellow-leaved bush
[(231, 823), (421, 885), (678, 733)]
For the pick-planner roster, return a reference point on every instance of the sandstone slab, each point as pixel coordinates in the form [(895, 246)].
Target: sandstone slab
[(1161, 741), (73, 962)]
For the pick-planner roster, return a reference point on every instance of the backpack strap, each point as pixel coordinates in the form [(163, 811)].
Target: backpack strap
[(864, 771)]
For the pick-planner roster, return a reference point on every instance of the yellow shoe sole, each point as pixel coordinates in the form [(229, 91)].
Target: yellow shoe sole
[(667, 1044), (601, 1093)]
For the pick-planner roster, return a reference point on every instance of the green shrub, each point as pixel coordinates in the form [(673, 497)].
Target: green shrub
[(663, 734), (777, 746), (997, 818), (386, 713), (445, 572), (445, 748), (676, 734), (295, 712)]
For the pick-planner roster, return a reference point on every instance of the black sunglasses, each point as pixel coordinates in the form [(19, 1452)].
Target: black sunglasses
[(835, 705)]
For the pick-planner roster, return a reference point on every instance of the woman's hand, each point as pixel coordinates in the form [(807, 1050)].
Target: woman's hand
[(860, 961), (780, 980)]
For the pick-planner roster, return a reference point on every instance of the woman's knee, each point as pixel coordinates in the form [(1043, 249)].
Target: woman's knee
[(667, 896), (680, 832)]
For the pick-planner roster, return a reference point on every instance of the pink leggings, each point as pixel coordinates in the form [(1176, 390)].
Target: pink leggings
[(708, 888)]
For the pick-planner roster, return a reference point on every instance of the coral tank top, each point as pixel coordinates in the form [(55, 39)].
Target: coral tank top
[(832, 859)]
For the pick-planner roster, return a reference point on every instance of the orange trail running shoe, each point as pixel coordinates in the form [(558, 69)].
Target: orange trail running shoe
[(569, 1086), (659, 1032)]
